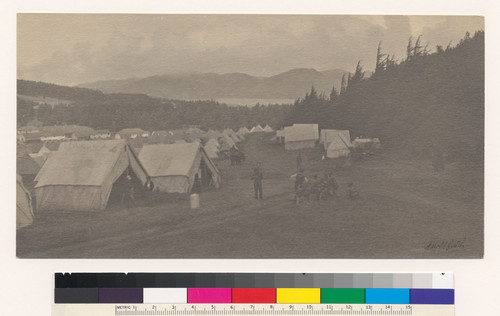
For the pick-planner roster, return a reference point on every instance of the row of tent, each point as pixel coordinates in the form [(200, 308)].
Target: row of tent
[(81, 175), (337, 143), (76, 132), (31, 156)]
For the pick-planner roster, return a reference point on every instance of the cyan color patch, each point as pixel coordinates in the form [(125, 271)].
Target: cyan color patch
[(387, 296)]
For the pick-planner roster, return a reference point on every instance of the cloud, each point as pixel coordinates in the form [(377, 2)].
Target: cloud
[(99, 47)]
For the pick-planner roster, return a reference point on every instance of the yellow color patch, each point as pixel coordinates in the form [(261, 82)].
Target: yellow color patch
[(298, 296)]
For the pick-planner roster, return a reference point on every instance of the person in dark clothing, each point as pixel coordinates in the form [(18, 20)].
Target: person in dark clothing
[(196, 189), (257, 181), (299, 179), (128, 194), (149, 187), (352, 192), (299, 161)]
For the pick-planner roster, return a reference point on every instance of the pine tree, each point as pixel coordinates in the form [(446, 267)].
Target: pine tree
[(343, 85), (381, 61), (334, 95)]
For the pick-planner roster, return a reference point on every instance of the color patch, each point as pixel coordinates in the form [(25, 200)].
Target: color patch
[(284, 280), (382, 280), (387, 296), (207, 295), (343, 296), (304, 280), (298, 296), (422, 281), (323, 280), (264, 280), (432, 296), (120, 295), (165, 295), (343, 280), (244, 280), (78, 295), (362, 280), (402, 281), (442, 281), (252, 295)]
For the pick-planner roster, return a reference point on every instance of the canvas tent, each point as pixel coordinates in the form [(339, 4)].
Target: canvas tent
[(301, 136), (328, 135), (27, 167), (226, 143), (24, 212), (80, 176), (337, 148), (243, 131), (256, 129), (212, 151), (172, 167), (314, 127), (366, 143), (268, 129)]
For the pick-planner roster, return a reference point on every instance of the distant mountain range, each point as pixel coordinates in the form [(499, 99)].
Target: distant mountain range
[(290, 85)]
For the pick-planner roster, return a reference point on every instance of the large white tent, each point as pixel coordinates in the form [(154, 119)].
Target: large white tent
[(80, 176), (24, 208), (328, 135), (172, 167), (301, 136), (337, 148)]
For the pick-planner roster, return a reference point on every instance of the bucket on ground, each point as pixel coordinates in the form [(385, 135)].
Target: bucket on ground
[(195, 200)]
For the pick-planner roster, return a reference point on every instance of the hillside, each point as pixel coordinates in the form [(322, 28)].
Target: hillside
[(291, 85), (429, 103), (52, 104)]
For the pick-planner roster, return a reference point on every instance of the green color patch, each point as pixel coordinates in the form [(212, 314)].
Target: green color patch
[(343, 296)]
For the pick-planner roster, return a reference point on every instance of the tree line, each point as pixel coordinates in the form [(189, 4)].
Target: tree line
[(424, 103)]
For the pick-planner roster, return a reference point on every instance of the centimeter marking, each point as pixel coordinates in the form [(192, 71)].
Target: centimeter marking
[(264, 309)]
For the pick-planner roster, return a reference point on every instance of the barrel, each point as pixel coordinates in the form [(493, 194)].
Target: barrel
[(195, 200)]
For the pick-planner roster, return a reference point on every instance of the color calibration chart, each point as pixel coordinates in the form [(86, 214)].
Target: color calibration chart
[(113, 294)]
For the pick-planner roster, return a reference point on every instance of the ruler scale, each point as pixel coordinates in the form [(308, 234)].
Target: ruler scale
[(249, 310)]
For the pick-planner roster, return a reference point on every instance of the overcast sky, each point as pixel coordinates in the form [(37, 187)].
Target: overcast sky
[(70, 49)]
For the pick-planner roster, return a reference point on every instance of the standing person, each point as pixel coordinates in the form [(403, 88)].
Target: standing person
[(299, 179), (299, 161), (257, 177), (352, 192), (128, 194), (149, 187), (332, 185)]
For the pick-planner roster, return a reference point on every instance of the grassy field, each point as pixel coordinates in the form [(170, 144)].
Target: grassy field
[(405, 210)]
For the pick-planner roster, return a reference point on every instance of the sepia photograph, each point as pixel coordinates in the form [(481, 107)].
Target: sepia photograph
[(259, 136)]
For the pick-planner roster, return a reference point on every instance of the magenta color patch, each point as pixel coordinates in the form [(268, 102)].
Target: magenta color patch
[(206, 295)]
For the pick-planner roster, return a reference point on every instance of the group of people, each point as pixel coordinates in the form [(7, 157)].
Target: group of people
[(317, 187), (326, 186)]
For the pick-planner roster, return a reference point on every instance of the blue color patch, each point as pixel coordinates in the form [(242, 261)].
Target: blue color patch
[(432, 296)]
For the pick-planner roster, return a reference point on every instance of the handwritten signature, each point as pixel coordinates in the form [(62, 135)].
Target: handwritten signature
[(446, 244)]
